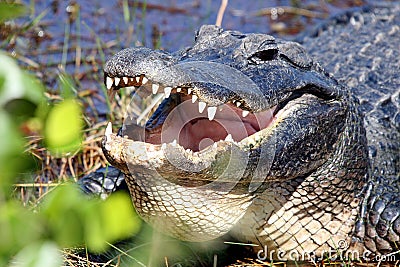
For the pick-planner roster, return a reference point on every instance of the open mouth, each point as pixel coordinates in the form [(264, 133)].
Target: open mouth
[(181, 116)]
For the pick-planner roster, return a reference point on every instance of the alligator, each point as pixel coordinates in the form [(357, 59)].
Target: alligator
[(249, 134)]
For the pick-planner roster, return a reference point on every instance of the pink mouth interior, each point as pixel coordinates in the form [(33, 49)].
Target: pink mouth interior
[(193, 130)]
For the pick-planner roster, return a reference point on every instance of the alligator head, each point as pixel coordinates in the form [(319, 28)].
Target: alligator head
[(232, 114)]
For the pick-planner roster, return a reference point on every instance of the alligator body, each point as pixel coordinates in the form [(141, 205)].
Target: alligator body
[(255, 138)]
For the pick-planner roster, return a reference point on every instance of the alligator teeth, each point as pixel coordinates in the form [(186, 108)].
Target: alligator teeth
[(167, 91), (174, 142), (125, 80), (154, 88), (190, 91), (109, 82), (144, 80), (178, 89), (202, 106), (211, 112), (215, 145), (107, 134), (131, 79), (164, 146), (108, 129), (238, 104), (194, 98), (245, 113), (229, 138), (116, 81), (137, 78)]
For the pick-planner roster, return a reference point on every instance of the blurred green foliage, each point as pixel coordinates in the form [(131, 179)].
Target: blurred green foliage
[(63, 127), (11, 10), (65, 218), (95, 221), (20, 97)]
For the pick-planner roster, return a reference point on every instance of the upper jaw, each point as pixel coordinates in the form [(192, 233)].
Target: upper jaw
[(212, 82), (255, 87)]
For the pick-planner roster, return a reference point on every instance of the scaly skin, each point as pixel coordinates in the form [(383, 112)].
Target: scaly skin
[(367, 62), (322, 174)]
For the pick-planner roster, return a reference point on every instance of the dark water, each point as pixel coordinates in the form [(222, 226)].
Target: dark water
[(76, 37), (175, 20)]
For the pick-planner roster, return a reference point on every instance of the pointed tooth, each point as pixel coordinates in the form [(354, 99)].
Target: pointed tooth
[(215, 145), (131, 79), (174, 142), (245, 113), (238, 104), (211, 112), (109, 82), (178, 89), (167, 91), (144, 80), (190, 91), (125, 80), (202, 106), (137, 78), (163, 146), (116, 81), (154, 88), (229, 138), (108, 132), (194, 98), (108, 129)]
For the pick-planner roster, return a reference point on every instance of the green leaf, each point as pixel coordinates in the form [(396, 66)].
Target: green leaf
[(62, 211), (122, 220), (39, 255), (11, 144), (16, 84), (63, 127), (73, 219), (14, 233), (20, 110), (111, 220), (11, 11)]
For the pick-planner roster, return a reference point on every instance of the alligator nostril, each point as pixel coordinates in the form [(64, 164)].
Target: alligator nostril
[(266, 55)]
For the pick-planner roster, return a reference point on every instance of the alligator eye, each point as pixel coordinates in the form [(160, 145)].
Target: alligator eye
[(295, 54), (266, 55)]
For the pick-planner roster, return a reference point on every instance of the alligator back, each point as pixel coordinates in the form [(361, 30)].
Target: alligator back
[(362, 51), (364, 54)]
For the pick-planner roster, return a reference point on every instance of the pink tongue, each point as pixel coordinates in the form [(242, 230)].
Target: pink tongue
[(195, 131), (202, 133)]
